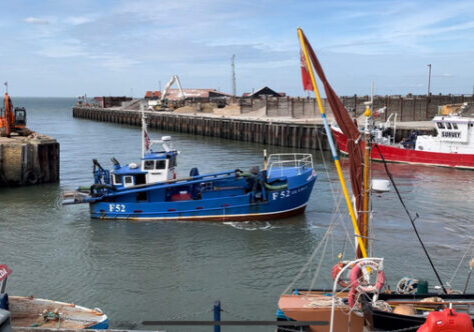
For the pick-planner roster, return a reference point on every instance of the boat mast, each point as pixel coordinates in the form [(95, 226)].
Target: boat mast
[(333, 148), (364, 225)]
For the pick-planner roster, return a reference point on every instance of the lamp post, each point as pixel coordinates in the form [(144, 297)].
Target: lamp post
[(429, 79), (428, 99)]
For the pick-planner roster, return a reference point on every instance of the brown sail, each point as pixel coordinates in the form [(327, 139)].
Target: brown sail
[(350, 130)]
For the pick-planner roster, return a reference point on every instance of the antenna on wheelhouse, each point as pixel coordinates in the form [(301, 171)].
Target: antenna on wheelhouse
[(145, 137)]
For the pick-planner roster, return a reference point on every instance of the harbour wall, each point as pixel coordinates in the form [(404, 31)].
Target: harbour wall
[(288, 134), (303, 134), (28, 160), (407, 108)]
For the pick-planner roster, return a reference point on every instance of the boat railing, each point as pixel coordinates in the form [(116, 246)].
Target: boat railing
[(281, 161)]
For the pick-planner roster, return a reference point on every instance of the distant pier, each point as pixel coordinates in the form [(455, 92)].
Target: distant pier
[(28, 160), (294, 133)]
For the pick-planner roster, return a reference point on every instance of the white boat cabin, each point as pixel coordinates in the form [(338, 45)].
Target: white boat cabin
[(455, 135), (155, 167)]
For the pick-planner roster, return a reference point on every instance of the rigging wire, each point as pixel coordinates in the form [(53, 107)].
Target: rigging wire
[(335, 192), (459, 265), (337, 215), (412, 220), (316, 273), (308, 262)]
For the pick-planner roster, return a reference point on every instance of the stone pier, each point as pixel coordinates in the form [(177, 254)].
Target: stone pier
[(28, 160)]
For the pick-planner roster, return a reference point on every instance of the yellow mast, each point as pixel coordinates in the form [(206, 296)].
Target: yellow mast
[(361, 243)]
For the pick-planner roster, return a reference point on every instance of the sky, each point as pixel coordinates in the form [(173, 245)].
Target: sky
[(68, 48)]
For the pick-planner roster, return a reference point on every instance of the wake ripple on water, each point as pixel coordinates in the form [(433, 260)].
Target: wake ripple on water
[(250, 225)]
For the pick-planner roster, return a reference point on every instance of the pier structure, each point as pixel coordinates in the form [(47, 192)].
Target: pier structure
[(286, 132), (28, 160), (407, 108)]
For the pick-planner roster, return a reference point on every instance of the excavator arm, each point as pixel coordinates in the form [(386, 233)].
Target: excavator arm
[(168, 85)]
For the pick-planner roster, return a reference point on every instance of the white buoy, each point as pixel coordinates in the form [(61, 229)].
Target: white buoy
[(380, 185), (133, 165)]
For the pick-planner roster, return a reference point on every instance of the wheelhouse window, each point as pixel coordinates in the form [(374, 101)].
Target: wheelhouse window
[(160, 164), (172, 162), (440, 125), (448, 125), (128, 180), (117, 179), (149, 164), (455, 125)]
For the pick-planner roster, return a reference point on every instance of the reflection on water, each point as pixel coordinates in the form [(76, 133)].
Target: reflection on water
[(164, 270)]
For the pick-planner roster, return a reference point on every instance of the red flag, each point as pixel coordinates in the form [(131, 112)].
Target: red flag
[(307, 84), (147, 140)]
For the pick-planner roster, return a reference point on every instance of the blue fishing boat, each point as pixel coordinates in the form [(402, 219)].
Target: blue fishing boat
[(151, 189)]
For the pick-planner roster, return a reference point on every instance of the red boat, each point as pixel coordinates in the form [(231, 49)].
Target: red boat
[(452, 147)]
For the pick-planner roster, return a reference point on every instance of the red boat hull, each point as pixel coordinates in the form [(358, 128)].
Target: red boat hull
[(401, 155)]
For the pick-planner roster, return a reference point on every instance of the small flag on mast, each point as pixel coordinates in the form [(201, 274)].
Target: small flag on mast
[(307, 84), (147, 140)]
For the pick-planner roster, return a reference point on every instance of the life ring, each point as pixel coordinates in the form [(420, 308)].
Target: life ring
[(335, 271), (352, 297), (357, 272)]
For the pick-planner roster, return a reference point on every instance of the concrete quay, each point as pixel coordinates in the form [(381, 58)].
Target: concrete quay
[(305, 133), (28, 160)]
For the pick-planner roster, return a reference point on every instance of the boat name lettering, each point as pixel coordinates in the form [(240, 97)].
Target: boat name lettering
[(300, 189), (116, 207), (453, 134), (287, 193)]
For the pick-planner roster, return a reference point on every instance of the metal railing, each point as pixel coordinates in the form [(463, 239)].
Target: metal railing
[(278, 162)]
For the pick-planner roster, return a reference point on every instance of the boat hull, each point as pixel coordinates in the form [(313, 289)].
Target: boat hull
[(400, 155), (28, 312), (316, 306), (234, 205), (389, 321)]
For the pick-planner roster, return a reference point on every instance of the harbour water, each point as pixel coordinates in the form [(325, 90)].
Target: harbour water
[(176, 270)]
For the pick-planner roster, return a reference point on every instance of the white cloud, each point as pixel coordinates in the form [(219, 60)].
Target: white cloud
[(62, 51), (74, 49), (113, 61), (36, 20), (78, 20)]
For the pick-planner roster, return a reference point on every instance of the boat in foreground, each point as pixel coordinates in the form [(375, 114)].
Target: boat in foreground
[(35, 312), (151, 189), (453, 146), (357, 300)]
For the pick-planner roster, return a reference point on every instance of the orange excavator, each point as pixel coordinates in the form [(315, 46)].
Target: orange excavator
[(12, 120)]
